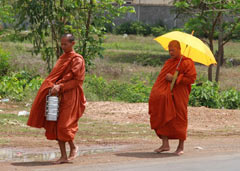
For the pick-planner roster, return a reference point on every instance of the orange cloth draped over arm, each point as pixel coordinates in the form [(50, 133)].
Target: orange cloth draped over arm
[(168, 110), (69, 73)]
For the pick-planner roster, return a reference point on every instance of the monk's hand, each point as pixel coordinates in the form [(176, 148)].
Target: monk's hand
[(55, 89), (169, 77)]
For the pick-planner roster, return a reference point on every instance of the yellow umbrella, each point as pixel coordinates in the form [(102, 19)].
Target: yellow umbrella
[(191, 47)]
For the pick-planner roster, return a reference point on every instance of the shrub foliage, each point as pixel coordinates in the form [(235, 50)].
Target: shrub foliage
[(17, 86)]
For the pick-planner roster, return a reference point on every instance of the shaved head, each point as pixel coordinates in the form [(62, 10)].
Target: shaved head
[(174, 43), (67, 42), (69, 36), (174, 49)]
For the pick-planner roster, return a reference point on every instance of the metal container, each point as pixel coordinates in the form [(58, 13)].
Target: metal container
[(52, 108)]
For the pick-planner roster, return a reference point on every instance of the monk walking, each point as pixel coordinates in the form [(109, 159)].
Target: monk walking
[(65, 80), (168, 109)]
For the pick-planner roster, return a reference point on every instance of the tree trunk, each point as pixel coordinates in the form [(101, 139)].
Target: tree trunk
[(210, 66), (210, 73), (87, 28), (222, 56), (220, 49)]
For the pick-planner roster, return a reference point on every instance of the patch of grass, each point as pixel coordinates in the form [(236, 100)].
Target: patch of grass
[(136, 57), (16, 125), (89, 130), (232, 50), (128, 44), (106, 131), (4, 141), (23, 59), (122, 72)]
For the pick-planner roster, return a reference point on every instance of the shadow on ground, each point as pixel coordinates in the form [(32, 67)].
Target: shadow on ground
[(146, 155)]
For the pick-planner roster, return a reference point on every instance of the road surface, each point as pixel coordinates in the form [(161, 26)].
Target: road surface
[(229, 162)]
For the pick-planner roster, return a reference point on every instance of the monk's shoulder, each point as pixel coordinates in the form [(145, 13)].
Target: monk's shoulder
[(168, 61), (187, 62), (77, 58)]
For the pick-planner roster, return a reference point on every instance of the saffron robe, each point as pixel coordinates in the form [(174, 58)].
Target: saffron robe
[(69, 73), (168, 110)]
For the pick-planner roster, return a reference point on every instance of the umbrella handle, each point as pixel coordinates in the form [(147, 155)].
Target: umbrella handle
[(174, 79)]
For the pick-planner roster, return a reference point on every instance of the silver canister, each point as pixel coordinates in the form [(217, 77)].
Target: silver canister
[(52, 107)]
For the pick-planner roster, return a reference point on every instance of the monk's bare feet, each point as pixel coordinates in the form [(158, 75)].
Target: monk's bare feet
[(162, 149), (179, 152), (73, 153), (61, 161)]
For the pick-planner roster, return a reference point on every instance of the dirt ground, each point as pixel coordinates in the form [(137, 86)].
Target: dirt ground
[(201, 119), (211, 131)]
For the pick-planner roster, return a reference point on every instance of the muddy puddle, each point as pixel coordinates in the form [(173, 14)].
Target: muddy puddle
[(27, 155)]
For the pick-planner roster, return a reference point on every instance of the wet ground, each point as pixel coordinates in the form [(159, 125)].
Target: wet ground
[(44, 154)]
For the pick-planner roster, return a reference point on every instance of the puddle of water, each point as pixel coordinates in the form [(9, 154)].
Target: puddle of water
[(18, 155)]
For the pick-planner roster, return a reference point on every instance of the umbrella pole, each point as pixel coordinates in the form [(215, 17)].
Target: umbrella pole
[(174, 79), (175, 75)]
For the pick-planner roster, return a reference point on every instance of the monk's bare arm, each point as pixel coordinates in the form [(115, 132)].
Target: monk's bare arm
[(188, 76)]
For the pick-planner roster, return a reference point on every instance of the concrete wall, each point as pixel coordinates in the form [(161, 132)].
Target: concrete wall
[(153, 14), (152, 2)]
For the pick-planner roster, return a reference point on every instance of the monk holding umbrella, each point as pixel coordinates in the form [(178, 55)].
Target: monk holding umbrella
[(170, 94)]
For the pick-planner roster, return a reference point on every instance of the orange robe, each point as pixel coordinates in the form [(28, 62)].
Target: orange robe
[(168, 111), (69, 73)]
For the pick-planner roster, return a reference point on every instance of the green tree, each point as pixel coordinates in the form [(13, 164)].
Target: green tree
[(211, 19), (47, 20), (6, 11)]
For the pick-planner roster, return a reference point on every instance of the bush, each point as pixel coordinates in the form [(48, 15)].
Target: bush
[(139, 28), (230, 99), (4, 62), (136, 28), (123, 28), (209, 95), (17, 86), (205, 95), (158, 31), (96, 88)]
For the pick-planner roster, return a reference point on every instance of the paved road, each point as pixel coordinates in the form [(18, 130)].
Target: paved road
[(230, 162)]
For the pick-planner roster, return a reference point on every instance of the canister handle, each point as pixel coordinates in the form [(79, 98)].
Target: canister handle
[(49, 92)]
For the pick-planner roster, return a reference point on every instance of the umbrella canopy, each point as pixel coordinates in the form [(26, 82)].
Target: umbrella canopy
[(191, 47)]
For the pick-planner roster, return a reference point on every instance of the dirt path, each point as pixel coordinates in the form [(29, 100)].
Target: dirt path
[(201, 119)]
